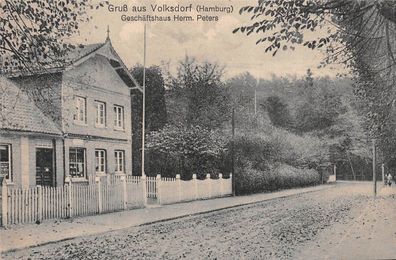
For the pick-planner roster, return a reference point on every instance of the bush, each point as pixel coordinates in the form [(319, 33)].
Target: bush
[(185, 151), (250, 180), (280, 147), (257, 151)]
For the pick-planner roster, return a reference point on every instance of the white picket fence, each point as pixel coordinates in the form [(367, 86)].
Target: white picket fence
[(174, 190), (72, 200), (105, 194)]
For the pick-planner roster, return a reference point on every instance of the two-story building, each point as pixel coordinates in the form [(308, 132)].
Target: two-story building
[(88, 100)]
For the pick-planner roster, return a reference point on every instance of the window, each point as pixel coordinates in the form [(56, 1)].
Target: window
[(119, 161), (100, 156), (80, 114), (118, 117), (77, 162), (5, 161), (100, 114)]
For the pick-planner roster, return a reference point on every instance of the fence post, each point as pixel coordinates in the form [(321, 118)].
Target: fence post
[(178, 181), (209, 185), (99, 187), (124, 191), (158, 183), (144, 189), (70, 209), (4, 201), (39, 203), (194, 179)]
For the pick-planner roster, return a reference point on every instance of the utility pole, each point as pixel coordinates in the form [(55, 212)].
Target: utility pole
[(255, 98), (144, 102), (335, 172), (255, 102), (374, 173), (383, 172), (232, 152)]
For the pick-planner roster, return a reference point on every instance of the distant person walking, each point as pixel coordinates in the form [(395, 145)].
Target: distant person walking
[(389, 179)]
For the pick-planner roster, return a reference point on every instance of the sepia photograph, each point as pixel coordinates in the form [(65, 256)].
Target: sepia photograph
[(198, 129)]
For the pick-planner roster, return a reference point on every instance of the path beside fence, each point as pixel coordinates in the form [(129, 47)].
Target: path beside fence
[(23, 236)]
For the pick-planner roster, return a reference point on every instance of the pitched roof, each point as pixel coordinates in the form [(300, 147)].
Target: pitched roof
[(19, 113), (82, 52)]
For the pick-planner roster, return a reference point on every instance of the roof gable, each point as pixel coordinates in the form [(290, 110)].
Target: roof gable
[(82, 53), (96, 72), (106, 50)]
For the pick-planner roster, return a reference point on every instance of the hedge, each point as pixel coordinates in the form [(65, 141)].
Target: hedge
[(250, 180)]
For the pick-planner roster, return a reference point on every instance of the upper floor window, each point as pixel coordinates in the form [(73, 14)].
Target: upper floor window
[(118, 117), (100, 114), (100, 157), (80, 114), (119, 161), (77, 162), (5, 161)]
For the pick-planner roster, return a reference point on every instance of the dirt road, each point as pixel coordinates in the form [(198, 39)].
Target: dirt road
[(286, 228)]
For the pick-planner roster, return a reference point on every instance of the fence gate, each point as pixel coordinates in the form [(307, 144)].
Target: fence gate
[(151, 187)]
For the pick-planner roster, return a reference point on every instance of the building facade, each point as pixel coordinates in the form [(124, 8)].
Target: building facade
[(88, 101)]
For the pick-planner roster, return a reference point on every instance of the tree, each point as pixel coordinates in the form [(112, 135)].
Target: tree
[(33, 33), (198, 95), (278, 112), (321, 105), (156, 114), (241, 88), (361, 34), (185, 150)]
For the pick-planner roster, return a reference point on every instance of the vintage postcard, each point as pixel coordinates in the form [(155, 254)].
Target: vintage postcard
[(197, 129)]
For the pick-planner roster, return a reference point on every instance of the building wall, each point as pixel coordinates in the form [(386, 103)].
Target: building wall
[(96, 80), (23, 157), (90, 145), (46, 92)]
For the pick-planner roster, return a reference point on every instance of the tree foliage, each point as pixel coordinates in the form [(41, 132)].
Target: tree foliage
[(156, 116), (361, 34), (185, 150), (278, 112), (198, 96), (33, 33), (241, 88)]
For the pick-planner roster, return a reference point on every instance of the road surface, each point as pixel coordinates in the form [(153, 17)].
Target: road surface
[(337, 223)]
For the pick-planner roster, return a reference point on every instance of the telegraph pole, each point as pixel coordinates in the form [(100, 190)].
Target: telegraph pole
[(255, 101), (144, 102), (374, 173), (232, 152), (383, 172), (255, 97)]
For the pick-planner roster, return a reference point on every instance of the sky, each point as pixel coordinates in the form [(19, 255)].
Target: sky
[(170, 42)]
